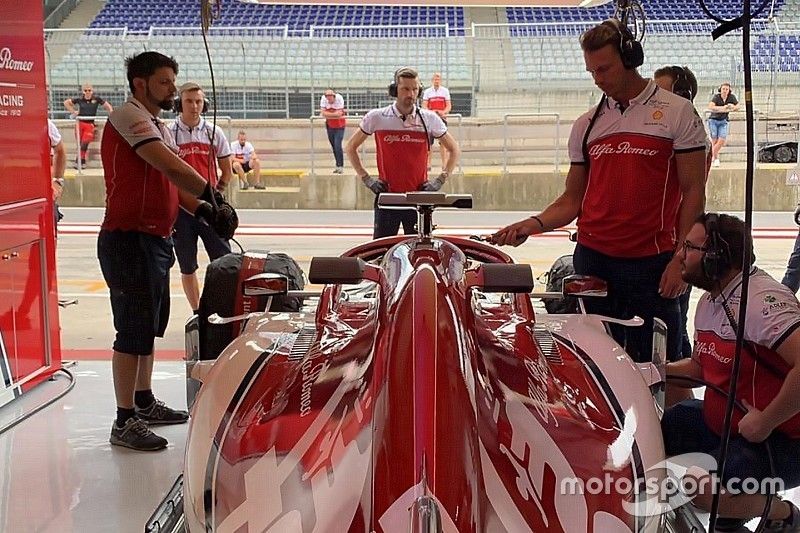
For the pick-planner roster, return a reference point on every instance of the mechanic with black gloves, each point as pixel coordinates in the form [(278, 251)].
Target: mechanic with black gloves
[(791, 278), (143, 175), (404, 133), (712, 257)]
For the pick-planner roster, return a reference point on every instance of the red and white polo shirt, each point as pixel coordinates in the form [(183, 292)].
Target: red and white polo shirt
[(633, 194), (194, 146), (138, 196), (402, 143), (773, 313), (437, 98)]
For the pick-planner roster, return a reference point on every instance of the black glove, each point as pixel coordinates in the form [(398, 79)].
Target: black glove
[(226, 221), (205, 212), (376, 186), (434, 184), (208, 193), (222, 220), (797, 215)]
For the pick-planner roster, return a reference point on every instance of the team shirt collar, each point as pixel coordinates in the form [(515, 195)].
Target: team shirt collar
[(731, 287), (647, 93), (182, 125), (399, 115)]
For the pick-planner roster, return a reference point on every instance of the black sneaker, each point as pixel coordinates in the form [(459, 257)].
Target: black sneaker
[(159, 414), (260, 187), (137, 436)]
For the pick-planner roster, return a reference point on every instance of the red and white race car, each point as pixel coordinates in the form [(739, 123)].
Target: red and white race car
[(422, 392)]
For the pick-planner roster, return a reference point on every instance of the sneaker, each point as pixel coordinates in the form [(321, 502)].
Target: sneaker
[(243, 186), (790, 525), (158, 414), (715, 163), (137, 436), (259, 186), (338, 170)]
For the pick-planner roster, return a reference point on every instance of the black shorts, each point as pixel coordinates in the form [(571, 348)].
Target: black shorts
[(187, 230), (136, 267), (246, 167)]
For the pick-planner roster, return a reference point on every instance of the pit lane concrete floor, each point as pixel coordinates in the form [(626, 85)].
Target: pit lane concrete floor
[(61, 474)]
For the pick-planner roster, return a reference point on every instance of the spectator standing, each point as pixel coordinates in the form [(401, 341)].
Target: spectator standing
[(331, 107), (721, 104), (635, 184), (84, 109), (403, 136), (245, 159), (769, 377), (205, 148), (437, 99), (134, 246)]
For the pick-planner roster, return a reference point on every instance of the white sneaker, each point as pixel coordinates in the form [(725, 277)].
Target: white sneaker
[(715, 163)]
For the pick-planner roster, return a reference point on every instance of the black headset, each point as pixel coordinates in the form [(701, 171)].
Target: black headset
[(682, 85), (393, 86), (630, 50), (177, 106), (717, 257)]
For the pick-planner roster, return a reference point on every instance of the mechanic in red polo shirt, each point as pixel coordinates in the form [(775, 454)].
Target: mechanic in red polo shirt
[(143, 175), (636, 183), (437, 99), (205, 147), (769, 375), (403, 136)]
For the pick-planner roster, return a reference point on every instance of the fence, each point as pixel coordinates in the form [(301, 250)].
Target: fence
[(270, 72)]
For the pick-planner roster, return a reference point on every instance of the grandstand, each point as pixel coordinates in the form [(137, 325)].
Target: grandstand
[(274, 60)]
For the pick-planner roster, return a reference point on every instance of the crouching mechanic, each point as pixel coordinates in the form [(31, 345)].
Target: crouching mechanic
[(202, 146), (142, 176), (768, 381), (404, 133)]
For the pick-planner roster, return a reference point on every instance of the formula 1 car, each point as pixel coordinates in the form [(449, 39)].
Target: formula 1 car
[(421, 393)]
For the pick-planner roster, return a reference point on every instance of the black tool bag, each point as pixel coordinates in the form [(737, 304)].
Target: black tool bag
[(562, 267), (222, 294)]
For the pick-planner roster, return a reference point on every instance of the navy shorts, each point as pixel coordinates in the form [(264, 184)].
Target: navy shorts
[(136, 267), (187, 230), (685, 431)]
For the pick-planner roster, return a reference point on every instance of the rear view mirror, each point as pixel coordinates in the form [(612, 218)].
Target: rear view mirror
[(265, 284), (584, 286)]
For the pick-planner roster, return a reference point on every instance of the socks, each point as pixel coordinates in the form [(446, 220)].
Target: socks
[(123, 415), (143, 398)]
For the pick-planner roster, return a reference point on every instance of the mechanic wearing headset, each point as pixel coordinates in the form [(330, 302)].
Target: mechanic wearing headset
[(194, 136), (635, 184), (682, 81), (403, 136), (769, 377), (143, 175)]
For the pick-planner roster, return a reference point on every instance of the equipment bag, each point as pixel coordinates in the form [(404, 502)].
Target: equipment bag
[(562, 267), (222, 294)]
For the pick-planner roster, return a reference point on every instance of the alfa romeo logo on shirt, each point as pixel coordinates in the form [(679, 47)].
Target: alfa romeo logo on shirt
[(406, 138)]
